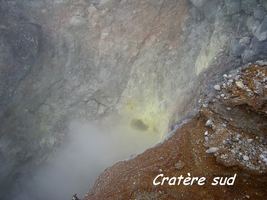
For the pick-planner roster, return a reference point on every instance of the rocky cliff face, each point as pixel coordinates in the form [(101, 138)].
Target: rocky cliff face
[(227, 137), (145, 62)]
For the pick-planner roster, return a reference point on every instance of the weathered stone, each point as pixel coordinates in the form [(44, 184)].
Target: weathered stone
[(25, 41), (245, 158), (244, 41), (179, 165), (232, 6), (259, 13), (196, 14), (211, 10), (252, 24), (77, 21), (248, 56), (250, 140), (264, 3), (198, 3), (240, 85), (250, 158), (56, 55), (209, 123), (237, 48), (261, 31), (212, 150), (258, 47), (217, 87), (248, 5)]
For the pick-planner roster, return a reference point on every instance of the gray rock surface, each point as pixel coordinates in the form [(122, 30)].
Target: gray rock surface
[(259, 13), (233, 6), (248, 5), (261, 31), (198, 3)]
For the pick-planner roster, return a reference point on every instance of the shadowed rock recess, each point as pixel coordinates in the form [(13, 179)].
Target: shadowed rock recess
[(143, 64)]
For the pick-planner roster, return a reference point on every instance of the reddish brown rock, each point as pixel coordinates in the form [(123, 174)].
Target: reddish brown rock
[(228, 136)]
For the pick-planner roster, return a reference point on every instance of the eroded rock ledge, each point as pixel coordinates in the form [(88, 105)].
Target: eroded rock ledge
[(227, 136)]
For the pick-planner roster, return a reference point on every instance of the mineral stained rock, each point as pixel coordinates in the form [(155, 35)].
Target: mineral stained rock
[(65, 60), (236, 143)]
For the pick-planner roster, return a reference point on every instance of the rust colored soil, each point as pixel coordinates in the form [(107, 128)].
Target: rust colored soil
[(228, 136)]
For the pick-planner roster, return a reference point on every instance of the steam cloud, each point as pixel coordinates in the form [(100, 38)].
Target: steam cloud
[(74, 167)]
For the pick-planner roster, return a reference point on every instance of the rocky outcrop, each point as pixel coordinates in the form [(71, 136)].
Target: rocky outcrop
[(237, 120), (227, 137)]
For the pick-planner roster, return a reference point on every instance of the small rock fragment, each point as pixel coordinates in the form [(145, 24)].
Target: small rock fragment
[(264, 158), (228, 108), (212, 150), (217, 87), (250, 140), (235, 139), (240, 84), (205, 105), (245, 158), (179, 165), (209, 123)]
